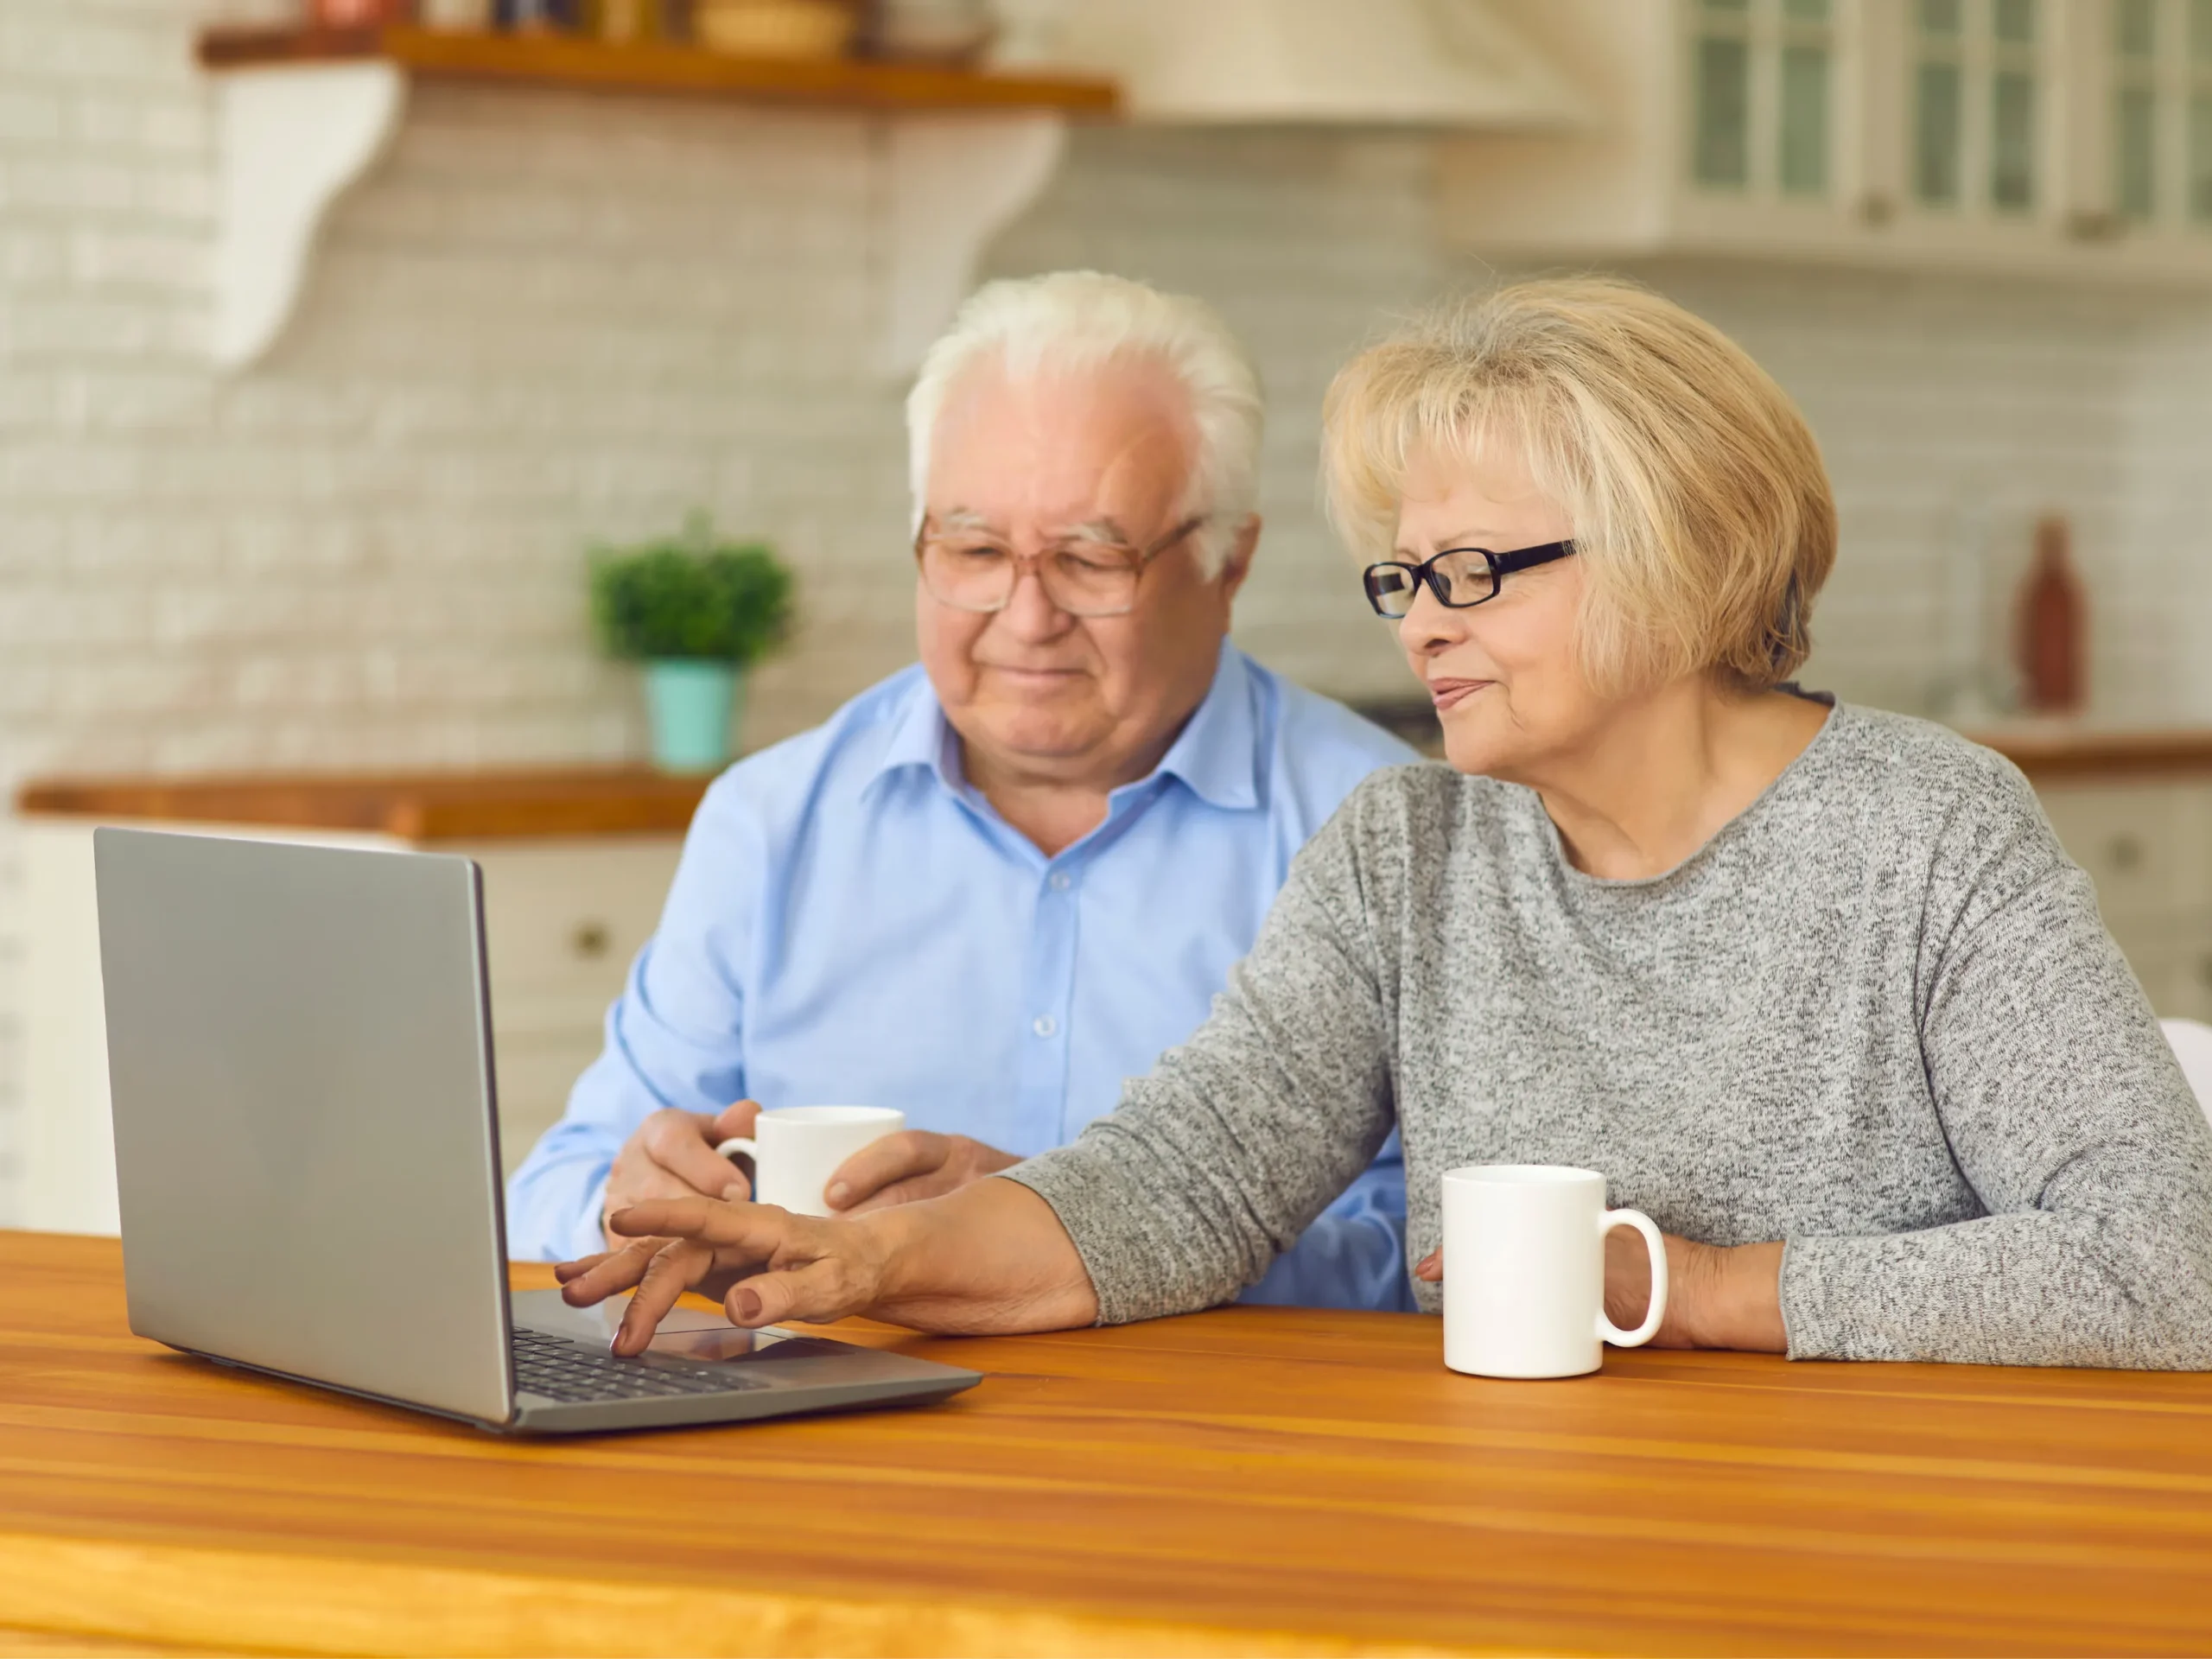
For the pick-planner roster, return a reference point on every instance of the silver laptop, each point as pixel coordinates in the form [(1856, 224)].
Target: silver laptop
[(308, 1155)]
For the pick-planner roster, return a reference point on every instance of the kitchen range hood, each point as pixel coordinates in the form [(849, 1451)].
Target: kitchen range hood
[(1407, 63)]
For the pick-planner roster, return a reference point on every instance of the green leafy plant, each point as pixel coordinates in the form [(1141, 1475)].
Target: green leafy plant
[(692, 597)]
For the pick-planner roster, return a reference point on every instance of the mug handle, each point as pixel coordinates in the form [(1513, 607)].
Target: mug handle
[(1657, 1248), (737, 1144)]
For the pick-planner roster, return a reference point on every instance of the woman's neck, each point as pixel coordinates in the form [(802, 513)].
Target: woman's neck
[(1664, 777)]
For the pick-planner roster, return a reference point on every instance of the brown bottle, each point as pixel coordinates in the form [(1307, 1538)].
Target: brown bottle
[(2053, 627)]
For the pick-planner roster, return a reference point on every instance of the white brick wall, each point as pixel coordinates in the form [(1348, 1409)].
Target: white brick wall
[(549, 319), (1952, 413), (2166, 513), (1306, 243)]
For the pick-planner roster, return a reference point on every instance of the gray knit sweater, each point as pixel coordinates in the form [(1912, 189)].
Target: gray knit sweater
[(1877, 1017)]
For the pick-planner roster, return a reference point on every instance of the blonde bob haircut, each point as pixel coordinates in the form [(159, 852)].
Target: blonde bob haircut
[(1701, 513)]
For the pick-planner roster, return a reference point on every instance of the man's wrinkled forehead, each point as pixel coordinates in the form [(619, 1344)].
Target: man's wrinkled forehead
[(1061, 430)]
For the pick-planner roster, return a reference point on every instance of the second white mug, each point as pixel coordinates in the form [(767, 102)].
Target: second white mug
[(796, 1149), (1524, 1271)]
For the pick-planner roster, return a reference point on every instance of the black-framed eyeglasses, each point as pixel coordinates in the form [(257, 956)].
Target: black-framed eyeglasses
[(975, 570), (1458, 576)]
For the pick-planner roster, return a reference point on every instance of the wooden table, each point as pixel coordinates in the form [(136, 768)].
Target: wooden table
[(1244, 1481)]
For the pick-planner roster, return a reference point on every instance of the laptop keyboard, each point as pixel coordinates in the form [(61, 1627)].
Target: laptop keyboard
[(560, 1369)]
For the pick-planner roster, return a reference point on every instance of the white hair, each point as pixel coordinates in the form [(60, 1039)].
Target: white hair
[(1078, 319)]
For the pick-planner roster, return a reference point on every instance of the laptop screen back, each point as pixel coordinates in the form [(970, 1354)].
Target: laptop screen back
[(306, 1156)]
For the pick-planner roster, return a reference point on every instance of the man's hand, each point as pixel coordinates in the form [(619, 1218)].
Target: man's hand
[(672, 1156), (914, 1165)]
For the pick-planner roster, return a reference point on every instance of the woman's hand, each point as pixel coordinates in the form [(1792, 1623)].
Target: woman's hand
[(764, 1264), (1717, 1296), (991, 1258)]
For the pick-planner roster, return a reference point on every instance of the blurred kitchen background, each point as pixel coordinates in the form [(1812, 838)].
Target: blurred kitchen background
[(326, 355)]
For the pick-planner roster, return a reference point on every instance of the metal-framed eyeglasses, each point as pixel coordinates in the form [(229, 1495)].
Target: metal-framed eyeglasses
[(975, 570), (1458, 576)]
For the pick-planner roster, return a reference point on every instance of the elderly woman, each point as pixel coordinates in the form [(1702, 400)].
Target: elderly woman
[(1813, 986)]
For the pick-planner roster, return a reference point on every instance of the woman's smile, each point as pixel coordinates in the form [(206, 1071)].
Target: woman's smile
[(1447, 693)]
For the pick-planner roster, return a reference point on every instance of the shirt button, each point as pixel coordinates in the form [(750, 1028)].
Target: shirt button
[(1057, 881), (1044, 1025)]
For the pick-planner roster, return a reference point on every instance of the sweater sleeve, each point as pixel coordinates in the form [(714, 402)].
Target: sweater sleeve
[(2068, 1114), (1216, 1162)]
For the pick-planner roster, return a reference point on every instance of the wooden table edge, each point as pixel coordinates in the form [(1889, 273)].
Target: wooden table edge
[(241, 1599)]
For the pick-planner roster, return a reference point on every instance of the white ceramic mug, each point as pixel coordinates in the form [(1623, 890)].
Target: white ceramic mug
[(796, 1149), (1524, 1271)]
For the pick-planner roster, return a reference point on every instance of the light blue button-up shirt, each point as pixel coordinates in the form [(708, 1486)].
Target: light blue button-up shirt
[(852, 921)]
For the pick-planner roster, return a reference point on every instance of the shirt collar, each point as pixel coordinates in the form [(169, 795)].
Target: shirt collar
[(1215, 754), (921, 738)]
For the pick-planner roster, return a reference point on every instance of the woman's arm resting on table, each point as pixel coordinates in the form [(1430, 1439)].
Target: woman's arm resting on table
[(2066, 1111), (990, 1258), (1717, 1296)]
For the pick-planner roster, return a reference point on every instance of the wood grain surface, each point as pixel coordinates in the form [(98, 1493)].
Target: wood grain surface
[(580, 64), (1250, 1480), (2060, 751), (416, 806)]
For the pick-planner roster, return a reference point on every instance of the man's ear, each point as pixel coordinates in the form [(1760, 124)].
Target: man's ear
[(1238, 565)]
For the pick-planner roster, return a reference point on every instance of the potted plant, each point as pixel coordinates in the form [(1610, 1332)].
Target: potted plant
[(698, 611)]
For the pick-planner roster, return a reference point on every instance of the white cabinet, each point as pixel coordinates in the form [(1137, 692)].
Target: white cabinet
[(2057, 137), (563, 919), (2148, 847)]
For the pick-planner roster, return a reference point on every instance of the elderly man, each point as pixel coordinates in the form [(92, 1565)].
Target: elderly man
[(996, 885)]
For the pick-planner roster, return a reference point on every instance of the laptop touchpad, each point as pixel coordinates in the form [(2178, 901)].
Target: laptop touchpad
[(543, 1310), (727, 1342)]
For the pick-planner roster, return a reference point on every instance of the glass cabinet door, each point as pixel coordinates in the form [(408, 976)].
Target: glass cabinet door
[(2200, 112), (1761, 95), (1976, 102), (1807, 67), (2135, 108), (1938, 102), (1721, 94), (2012, 105), (2159, 126), (2073, 119)]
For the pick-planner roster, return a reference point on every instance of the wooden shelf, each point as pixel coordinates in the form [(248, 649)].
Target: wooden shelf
[(304, 114), (411, 806), (2061, 751), (597, 65)]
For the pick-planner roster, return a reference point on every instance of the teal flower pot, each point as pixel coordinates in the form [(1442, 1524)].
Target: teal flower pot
[(693, 707)]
